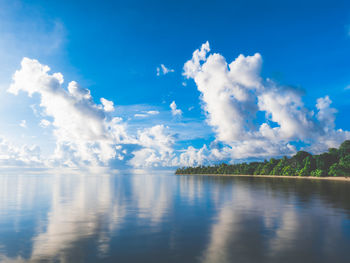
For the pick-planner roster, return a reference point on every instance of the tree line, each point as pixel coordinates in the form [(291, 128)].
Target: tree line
[(335, 162)]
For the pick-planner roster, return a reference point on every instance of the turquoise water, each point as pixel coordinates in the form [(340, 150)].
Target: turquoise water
[(168, 218)]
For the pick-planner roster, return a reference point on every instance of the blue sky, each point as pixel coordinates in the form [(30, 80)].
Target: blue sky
[(113, 48)]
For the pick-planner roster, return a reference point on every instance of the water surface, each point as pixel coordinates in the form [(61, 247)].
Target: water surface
[(168, 218)]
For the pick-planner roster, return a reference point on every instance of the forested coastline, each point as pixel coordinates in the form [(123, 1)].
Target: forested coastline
[(335, 162)]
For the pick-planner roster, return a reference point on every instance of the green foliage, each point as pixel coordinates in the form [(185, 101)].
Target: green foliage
[(308, 167), (268, 166), (297, 161), (333, 163), (288, 171), (258, 169), (326, 160), (334, 153), (345, 162), (303, 172), (344, 149), (335, 170), (318, 173), (277, 170)]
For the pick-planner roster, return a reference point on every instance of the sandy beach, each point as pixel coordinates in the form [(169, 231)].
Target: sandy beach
[(345, 179)]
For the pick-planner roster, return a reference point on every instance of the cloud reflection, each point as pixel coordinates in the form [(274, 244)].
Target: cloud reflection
[(82, 207), (259, 222), (78, 207), (172, 218)]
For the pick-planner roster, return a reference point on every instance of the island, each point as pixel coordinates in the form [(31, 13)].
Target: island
[(335, 164)]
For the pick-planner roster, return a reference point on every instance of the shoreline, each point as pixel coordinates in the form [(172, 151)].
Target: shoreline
[(340, 178)]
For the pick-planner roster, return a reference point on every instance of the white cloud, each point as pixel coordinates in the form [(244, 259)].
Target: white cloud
[(108, 105), (23, 124), (192, 66), (226, 91), (194, 157), (146, 114), (232, 95), (163, 70), (153, 112), (326, 114), (174, 110), (12, 155), (140, 115), (285, 107), (84, 133), (157, 148)]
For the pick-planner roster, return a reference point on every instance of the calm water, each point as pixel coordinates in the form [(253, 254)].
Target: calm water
[(167, 218)]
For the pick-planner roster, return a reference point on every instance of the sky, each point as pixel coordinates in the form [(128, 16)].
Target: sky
[(163, 84)]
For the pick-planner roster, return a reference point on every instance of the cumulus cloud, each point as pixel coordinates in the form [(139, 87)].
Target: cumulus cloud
[(233, 93), (163, 70), (84, 132), (226, 91), (285, 107), (195, 157), (326, 114), (12, 155), (174, 110), (157, 148), (192, 67), (108, 105)]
